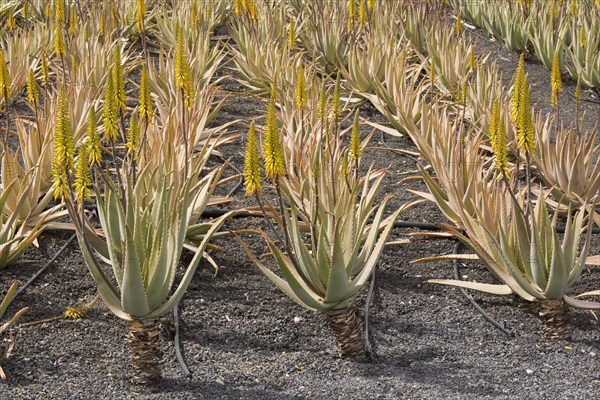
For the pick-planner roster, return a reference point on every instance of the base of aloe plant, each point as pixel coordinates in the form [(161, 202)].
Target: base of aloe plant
[(144, 339), (349, 333), (557, 321)]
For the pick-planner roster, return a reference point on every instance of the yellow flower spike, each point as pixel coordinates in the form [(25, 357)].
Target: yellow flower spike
[(194, 14), (252, 178), (336, 101), (582, 37), (183, 74), (516, 98), (74, 64), (239, 7), (555, 80), (113, 13), (458, 95), (118, 80), (494, 122), (553, 10), (500, 149), (83, 177), (300, 88), (362, 14), (44, 68), (76, 312), (59, 42), (33, 92), (102, 28), (464, 93), (322, 106), (59, 12), (351, 14), (110, 121), (5, 84), (59, 183), (525, 128), (252, 10), (458, 25), (345, 165), (179, 61), (574, 8), (371, 5), (189, 92), (12, 25), (133, 137), (272, 153), (64, 148), (292, 34), (93, 140), (577, 94), (140, 14), (461, 94), (472, 60), (67, 131), (355, 150), (146, 109), (73, 21), (432, 72), (48, 11), (497, 132), (316, 168)]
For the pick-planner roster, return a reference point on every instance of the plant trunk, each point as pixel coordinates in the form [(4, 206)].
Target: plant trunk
[(557, 322), (349, 333), (145, 354)]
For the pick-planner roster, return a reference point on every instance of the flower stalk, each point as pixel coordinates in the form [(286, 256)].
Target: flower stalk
[(184, 83), (140, 16), (355, 150), (556, 86), (64, 149), (5, 89)]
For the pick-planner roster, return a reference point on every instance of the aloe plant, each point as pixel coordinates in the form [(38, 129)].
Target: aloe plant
[(568, 166), (583, 52), (548, 38), (4, 326), (400, 96), (144, 236), (326, 274), (327, 43), (321, 194), (146, 213), (526, 253), (21, 222)]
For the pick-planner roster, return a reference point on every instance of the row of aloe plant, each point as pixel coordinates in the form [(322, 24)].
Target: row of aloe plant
[(570, 28), (457, 77), (151, 192), (328, 232), (157, 148)]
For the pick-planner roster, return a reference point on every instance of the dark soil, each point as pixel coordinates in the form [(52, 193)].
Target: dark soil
[(243, 339)]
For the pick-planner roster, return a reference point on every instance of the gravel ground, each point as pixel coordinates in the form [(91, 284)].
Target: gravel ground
[(242, 338)]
